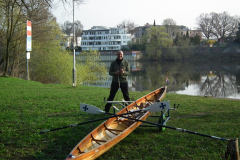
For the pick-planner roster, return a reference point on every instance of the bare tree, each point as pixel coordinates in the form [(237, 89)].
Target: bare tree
[(171, 27), (25, 3), (204, 22), (169, 22), (219, 25), (49, 2), (78, 28), (67, 27), (130, 25), (224, 25), (11, 27), (234, 27), (237, 40), (64, 2)]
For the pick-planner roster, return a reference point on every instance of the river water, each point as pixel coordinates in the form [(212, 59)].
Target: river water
[(221, 80)]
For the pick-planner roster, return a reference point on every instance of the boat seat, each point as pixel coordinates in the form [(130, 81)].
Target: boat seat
[(97, 140), (111, 130), (79, 150), (125, 120), (149, 100)]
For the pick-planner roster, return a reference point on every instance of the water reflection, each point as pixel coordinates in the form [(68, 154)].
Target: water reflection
[(205, 79), (219, 85)]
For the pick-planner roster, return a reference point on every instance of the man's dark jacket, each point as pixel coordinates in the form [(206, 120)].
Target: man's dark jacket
[(116, 67)]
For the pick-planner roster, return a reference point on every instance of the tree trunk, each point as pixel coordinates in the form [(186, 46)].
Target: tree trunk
[(6, 66), (12, 67), (6, 60)]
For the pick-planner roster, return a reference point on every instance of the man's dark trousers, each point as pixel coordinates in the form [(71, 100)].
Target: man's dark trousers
[(114, 89)]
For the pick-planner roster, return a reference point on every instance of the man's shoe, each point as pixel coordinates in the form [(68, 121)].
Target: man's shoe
[(106, 113)]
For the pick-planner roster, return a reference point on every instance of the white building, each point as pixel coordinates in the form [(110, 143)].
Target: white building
[(103, 38), (69, 40)]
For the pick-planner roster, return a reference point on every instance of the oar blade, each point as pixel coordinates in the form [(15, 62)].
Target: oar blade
[(159, 106), (90, 109)]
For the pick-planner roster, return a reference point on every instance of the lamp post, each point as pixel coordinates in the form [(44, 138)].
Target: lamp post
[(74, 68)]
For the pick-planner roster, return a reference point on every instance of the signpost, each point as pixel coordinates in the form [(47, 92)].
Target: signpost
[(28, 43), (74, 68)]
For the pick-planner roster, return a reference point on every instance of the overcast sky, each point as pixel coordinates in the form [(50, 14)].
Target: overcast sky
[(110, 13)]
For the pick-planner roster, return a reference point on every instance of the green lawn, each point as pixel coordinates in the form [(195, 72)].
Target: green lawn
[(28, 107)]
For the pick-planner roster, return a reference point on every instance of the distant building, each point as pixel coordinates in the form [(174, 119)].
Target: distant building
[(141, 30), (105, 39), (197, 32)]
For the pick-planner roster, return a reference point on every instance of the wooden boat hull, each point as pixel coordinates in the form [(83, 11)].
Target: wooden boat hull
[(110, 132)]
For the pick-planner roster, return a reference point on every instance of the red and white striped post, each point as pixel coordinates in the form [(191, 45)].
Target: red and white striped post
[(28, 43)]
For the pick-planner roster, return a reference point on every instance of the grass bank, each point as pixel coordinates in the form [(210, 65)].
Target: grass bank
[(28, 107)]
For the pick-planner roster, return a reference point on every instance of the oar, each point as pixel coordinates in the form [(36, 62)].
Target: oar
[(99, 111), (156, 107), (74, 125), (174, 128)]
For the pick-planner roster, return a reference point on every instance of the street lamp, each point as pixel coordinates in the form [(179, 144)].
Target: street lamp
[(74, 68)]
